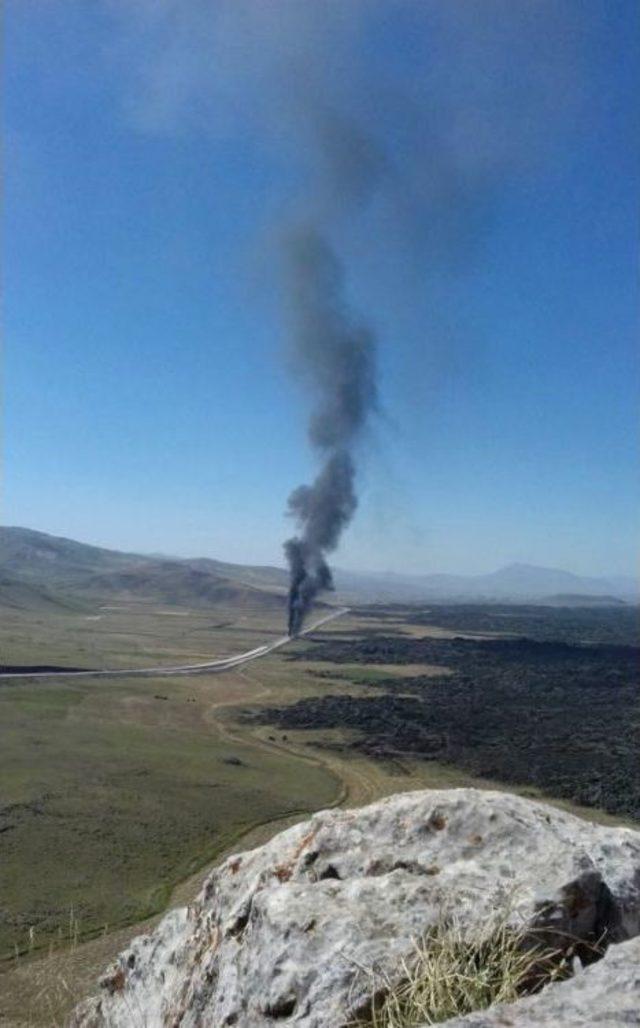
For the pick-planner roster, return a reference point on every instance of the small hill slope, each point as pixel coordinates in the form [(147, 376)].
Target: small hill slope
[(178, 585), (39, 570), (18, 595)]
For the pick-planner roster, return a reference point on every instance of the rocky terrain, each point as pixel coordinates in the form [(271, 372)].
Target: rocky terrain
[(506, 709), (295, 932)]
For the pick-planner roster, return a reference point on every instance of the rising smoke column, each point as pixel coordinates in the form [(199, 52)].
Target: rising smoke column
[(335, 355), (416, 147), (420, 143)]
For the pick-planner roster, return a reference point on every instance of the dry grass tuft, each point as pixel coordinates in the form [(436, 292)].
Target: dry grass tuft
[(453, 972)]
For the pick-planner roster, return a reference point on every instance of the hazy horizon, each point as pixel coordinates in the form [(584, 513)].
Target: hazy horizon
[(340, 566), (492, 249)]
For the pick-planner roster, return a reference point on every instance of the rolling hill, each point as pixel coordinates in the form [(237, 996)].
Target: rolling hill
[(18, 595), (37, 569), (178, 585)]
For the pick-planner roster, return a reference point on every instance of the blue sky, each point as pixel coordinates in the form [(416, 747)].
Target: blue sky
[(154, 153)]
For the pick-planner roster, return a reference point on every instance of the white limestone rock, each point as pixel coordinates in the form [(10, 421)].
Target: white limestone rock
[(284, 934)]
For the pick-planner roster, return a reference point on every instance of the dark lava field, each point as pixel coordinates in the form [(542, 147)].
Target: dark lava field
[(553, 705)]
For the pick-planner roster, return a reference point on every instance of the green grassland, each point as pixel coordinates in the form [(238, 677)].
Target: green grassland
[(116, 789), (131, 633)]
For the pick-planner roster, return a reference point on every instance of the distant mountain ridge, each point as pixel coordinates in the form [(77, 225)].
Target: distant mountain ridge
[(41, 568), (516, 582)]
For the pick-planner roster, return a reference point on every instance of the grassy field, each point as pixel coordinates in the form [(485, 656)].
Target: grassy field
[(114, 790), (118, 794), (135, 634)]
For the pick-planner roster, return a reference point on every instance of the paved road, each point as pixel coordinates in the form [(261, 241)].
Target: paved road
[(209, 667)]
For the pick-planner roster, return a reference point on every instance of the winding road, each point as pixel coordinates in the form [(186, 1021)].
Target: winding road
[(209, 667)]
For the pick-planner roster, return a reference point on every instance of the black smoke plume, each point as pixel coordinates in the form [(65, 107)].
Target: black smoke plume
[(336, 357), (401, 151)]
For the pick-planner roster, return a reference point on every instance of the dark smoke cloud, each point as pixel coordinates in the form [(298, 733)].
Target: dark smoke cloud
[(410, 144), (335, 355)]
